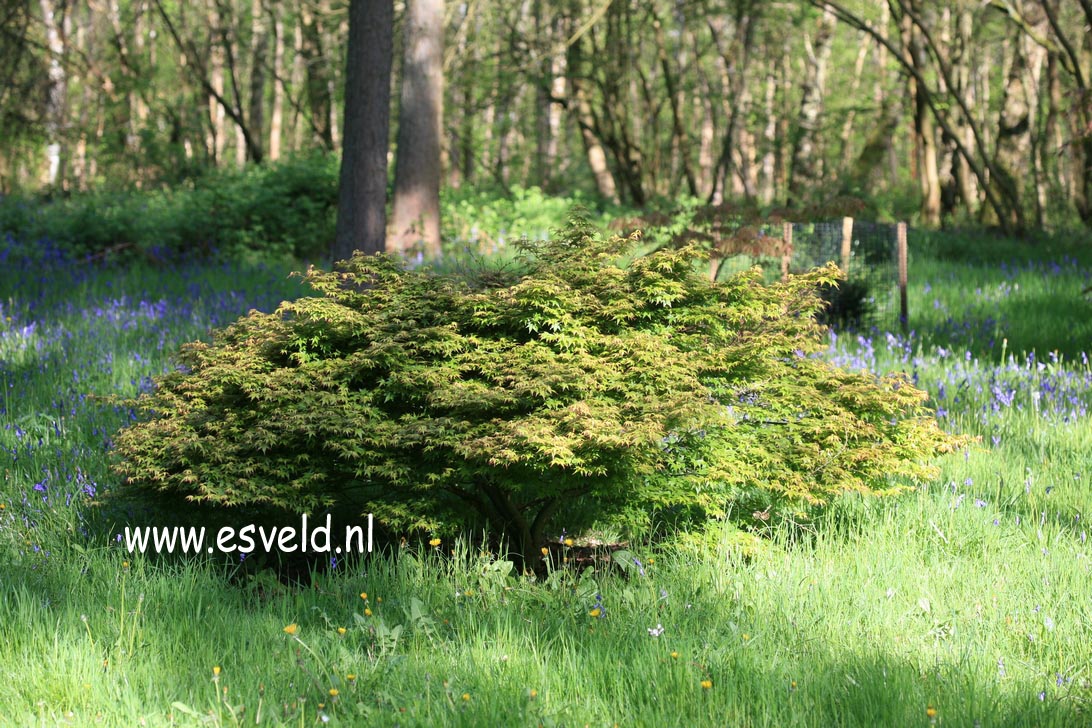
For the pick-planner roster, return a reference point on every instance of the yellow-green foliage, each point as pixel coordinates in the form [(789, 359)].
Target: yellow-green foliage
[(585, 389)]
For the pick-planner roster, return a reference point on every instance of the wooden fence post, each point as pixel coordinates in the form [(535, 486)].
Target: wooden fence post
[(904, 314), (786, 253), (847, 243)]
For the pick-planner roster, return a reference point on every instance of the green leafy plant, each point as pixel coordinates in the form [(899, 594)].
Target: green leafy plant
[(583, 390)]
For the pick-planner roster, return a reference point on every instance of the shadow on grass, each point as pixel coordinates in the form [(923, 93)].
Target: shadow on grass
[(432, 634)]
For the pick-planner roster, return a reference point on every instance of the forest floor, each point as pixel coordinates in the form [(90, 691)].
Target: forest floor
[(967, 602)]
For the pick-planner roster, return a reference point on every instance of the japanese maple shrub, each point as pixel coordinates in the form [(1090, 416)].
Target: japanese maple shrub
[(584, 389)]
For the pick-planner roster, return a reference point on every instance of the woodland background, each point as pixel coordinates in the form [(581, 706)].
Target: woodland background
[(951, 110)]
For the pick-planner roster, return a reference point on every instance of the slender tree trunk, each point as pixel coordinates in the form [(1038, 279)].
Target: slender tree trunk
[(597, 158), (53, 18), (416, 210), (298, 73), (362, 195), (259, 52), (806, 162), (680, 140), (924, 130), (276, 112), (846, 136), (1014, 136), (768, 178), (318, 77), (217, 114), (704, 110)]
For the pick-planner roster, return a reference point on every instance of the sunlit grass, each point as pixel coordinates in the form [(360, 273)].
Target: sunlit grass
[(968, 601)]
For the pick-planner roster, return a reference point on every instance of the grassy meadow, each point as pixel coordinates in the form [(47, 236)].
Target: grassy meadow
[(965, 603)]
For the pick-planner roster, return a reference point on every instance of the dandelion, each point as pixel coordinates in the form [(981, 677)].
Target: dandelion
[(568, 542), (792, 685), (125, 564), (351, 677), (363, 595), (333, 692), (545, 551), (291, 629), (595, 612), (533, 693), (674, 655), (930, 712), (706, 684), (341, 630), (367, 612), (434, 542), (466, 697), (746, 637)]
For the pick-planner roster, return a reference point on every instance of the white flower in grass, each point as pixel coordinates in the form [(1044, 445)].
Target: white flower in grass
[(656, 631)]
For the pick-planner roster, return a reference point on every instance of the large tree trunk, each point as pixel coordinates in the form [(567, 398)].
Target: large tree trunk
[(362, 194), (416, 209)]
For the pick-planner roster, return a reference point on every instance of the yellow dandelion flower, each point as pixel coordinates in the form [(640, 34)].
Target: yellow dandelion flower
[(291, 629), (379, 600), (125, 564), (351, 677), (746, 636), (466, 696), (367, 612), (595, 612), (931, 712), (792, 685), (470, 592), (216, 671), (435, 542), (2, 506), (568, 542), (333, 692), (674, 655), (363, 595), (545, 551), (534, 693), (706, 684), (652, 561), (341, 630)]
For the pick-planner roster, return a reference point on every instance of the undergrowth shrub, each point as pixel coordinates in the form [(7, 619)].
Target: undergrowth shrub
[(580, 390), (279, 209)]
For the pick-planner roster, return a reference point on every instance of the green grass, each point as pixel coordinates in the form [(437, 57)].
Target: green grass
[(971, 596)]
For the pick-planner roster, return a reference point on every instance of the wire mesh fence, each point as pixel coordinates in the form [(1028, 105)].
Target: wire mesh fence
[(873, 257), (871, 254), (874, 292)]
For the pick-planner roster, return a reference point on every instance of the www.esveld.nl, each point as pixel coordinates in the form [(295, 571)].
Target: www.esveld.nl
[(247, 539)]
